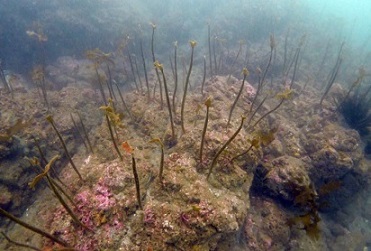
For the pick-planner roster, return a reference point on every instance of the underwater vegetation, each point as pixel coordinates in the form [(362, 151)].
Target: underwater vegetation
[(204, 176)]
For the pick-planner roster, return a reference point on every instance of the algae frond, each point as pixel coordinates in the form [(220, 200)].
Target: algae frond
[(161, 170), (207, 104), (193, 45), (32, 228), (245, 73), (161, 68), (213, 163), (113, 119), (49, 118), (128, 149)]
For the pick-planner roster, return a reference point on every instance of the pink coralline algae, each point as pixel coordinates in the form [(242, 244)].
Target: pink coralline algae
[(251, 91), (104, 198), (149, 216), (89, 205)]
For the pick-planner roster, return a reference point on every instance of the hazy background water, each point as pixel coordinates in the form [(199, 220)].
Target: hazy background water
[(75, 26)]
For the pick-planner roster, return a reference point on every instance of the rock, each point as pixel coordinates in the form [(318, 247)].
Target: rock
[(329, 164), (283, 178), (5, 197)]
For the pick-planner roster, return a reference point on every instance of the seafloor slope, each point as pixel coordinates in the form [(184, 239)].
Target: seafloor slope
[(300, 186)]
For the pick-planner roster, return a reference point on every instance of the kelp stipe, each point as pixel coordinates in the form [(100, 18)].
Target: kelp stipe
[(32, 228), (213, 163), (245, 73), (45, 174), (161, 170), (154, 60), (128, 149), (113, 119), (207, 104), (49, 118), (193, 45), (161, 68), (284, 95)]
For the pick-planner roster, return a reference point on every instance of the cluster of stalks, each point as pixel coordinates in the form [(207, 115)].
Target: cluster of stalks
[(245, 73), (82, 132), (175, 74), (32, 228), (99, 58), (193, 45), (207, 104), (159, 142), (241, 43), (38, 77), (113, 120), (262, 78), (154, 60), (145, 70), (50, 119), (282, 96), (161, 68), (333, 73), (213, 163), (6, 83), (128, 149), (57, 190)]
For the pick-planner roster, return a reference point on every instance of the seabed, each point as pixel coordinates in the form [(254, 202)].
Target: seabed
[(301, 185)]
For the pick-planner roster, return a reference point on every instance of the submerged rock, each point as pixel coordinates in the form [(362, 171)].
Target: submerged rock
[(283, 178)]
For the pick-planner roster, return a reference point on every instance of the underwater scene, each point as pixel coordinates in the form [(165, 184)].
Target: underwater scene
[(191, 125)]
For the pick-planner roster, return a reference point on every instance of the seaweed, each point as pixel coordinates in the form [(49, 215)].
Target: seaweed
[(161, 170), (38, 77), (175, 74), (52, 185), (241, 43), (245, 73), (207, 104), (49, 118), (113, 119), (333, 73), (284, 95), (14, 129), (98, 57), (204, 77), (255, 142), (79, 133), (144, 69), (16, 243), (357, 83), (154, 60), (193, 45), (122, 100), (133, 71), (272, 45), (137, 70), (32, 228), (209, 46), (260, 138), (3, 79), (309, 220), (161, 68), (128, 149), (85, 133), (224, 146)]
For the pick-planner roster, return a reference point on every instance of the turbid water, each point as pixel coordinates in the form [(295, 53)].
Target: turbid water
[(185, 125)]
